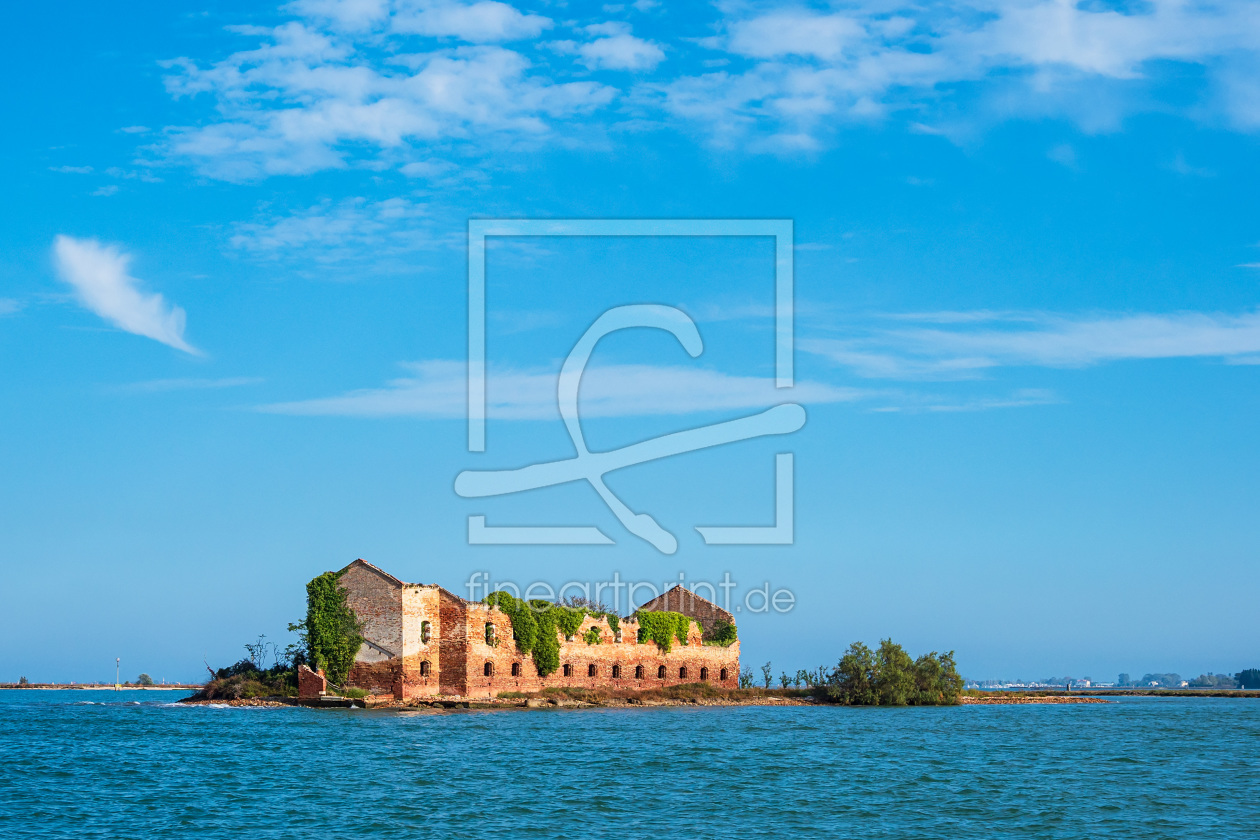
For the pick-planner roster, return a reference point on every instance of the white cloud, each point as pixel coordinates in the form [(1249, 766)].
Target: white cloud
[(479, 23), (343, 15), (795, 33), (1091, 63), (385, 82), (616, 49), (98, 274), (72, 170), (330, 232), (307, 100), (9, 306), (439, 389), (969, 347)]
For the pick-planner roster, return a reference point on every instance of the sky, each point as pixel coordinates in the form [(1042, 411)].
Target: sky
[(1026, 265)]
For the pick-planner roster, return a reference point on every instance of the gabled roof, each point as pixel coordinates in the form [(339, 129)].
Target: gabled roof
[(675, 599), (381, 572)]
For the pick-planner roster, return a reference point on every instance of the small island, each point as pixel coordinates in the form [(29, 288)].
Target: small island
[(371, 639)]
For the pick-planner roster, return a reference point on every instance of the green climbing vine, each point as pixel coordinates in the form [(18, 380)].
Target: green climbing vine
[(332, 630), (663, 627), (723, 634), (537, 626), (524, 625)]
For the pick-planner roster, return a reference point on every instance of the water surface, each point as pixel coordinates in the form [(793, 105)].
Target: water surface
[(133, 764)]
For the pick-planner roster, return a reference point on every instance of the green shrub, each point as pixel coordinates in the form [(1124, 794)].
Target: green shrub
[(663, 627), (614, 623), (332, 631), (568, 620), (591, 636), (354, 693), (889, 677), (723, 634)]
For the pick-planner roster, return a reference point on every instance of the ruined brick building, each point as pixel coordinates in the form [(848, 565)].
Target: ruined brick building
[(419, 640)]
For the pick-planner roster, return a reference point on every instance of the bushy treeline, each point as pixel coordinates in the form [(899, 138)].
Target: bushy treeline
[(889, 676)]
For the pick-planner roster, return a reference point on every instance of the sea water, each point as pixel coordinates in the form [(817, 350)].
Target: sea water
[(81, 764)]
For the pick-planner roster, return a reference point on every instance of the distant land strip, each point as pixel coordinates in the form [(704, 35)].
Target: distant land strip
[(100, 686)]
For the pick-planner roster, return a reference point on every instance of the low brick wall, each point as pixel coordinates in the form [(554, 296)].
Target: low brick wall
[(311, 684)]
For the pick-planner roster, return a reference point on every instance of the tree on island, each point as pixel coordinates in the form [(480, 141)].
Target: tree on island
[(332, 631), (144, 679), (1249, 678), (890, 677)]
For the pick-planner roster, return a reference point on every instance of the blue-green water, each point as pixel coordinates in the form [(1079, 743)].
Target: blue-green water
[(126, 766)]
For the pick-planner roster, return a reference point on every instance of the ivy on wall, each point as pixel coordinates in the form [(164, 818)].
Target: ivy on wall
[(333, 632), (723, 634), (537, 626), (663, 627), (524, 625)]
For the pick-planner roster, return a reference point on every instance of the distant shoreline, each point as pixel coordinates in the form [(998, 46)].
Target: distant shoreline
[(97, 687)]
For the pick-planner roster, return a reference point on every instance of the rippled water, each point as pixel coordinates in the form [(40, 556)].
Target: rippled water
[(123, 765)]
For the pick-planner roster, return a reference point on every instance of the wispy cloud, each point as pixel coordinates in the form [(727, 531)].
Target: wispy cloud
[(72, 170), (161, 385), (439, 389), (957, 346), (314, 90), (98, 274), (9, 306), (329, 231), (387, 82)]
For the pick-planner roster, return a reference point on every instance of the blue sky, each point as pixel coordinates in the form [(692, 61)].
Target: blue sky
[(1027, 275)]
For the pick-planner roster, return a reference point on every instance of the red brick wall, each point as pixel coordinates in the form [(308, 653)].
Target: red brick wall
[(452, 643), (420, 604), (310, 684), (580, 656)]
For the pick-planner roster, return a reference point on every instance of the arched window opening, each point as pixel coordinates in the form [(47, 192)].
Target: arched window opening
[(617, 637), (682, 673), (489, 633), (638, 672), (592, 671), (616, 672), (704, 674), (568, 670), (424, 632), (660, 673), (488, 669), (425, 668), (516, 669), (723, 677)]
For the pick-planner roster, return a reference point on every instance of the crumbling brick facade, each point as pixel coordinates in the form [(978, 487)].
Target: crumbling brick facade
[(689, 603), (422, 641)]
